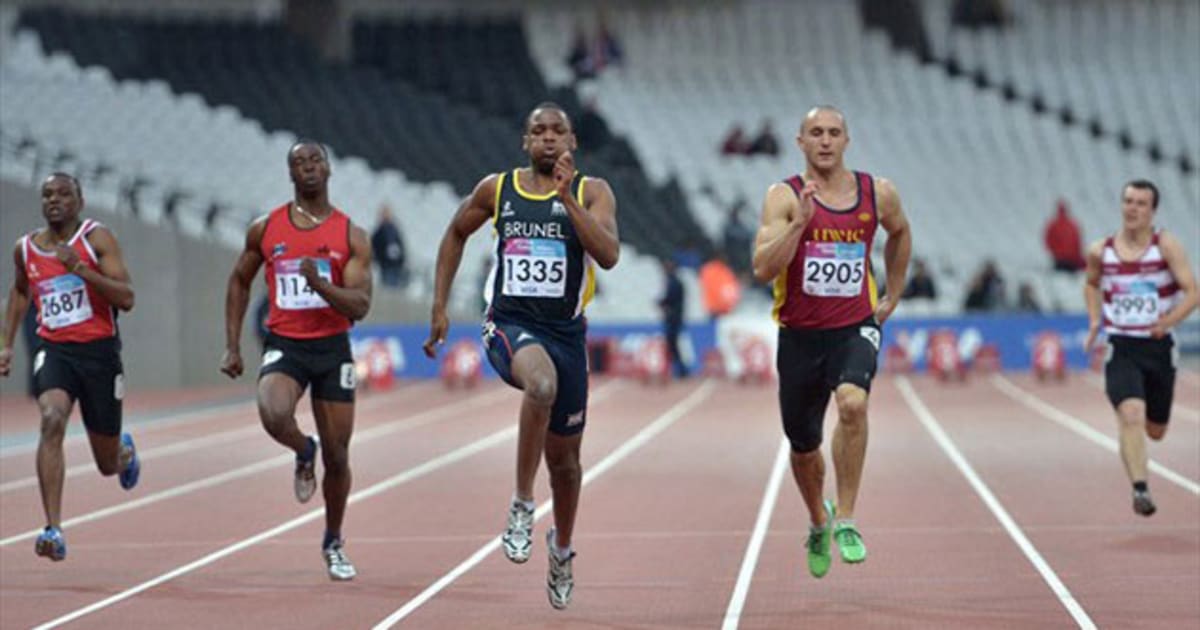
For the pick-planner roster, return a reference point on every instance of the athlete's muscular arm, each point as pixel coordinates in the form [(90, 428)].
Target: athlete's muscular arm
[(471, 214), (113, 280), (1177, 262), (14, 312), (595, 224), (1092, 297), (353, 298), (237, 297), (784, 218), (898, 248)]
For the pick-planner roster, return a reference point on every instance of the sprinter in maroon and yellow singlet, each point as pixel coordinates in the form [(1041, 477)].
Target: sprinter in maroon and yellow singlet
[(318, 272), (815, 245)]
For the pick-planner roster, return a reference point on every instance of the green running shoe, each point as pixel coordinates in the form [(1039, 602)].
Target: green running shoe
[(819, 549), (849, 542)]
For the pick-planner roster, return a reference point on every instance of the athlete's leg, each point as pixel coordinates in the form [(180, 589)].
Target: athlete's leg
[(849, 445), (566, 476), (111, 456), (1131, 420), (808, 469), (55, 407), (277, 396), (335, 424), (534, 373)]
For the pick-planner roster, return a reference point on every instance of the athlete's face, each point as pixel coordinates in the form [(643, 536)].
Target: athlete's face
[(823, 139), (60, 200), (1137, 207), (309, 168), (548, 134)]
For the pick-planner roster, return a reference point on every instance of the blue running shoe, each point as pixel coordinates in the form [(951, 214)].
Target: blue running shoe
[(50, 544), (129, 476)]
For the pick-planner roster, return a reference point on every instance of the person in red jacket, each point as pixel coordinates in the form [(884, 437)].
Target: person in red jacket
[(1064, 241), (318, 273), (74, 273)]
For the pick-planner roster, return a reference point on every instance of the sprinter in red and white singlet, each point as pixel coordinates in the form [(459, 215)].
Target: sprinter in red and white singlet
[(318, 273), (1139, 286), (815, 246), (73, 271)]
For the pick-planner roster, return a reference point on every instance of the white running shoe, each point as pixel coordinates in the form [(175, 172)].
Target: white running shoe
[(340, 567), (305, 482), (518, 538), (560, 580)]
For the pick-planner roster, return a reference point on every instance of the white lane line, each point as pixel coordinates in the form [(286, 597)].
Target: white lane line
[(647, 433), (733, 613), (171, 419), (943, 440), (416, 472), (1177, 410), (1082, 428), (375, 432), (192, 444)]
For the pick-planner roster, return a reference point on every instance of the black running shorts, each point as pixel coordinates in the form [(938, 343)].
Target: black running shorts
[(1144, 369), (89, 372), (325, 363)]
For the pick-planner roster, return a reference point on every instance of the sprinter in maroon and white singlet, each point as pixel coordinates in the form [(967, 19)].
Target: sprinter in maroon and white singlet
[(73, 271), (815, 245), (318, 273), (1139, 286)]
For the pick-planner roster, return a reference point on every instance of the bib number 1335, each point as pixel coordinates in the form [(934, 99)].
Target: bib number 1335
[(535, 268)]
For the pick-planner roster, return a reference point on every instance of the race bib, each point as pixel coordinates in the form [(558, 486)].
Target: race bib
[(834, 269), (292, 292), (1134, 304), (535, 267), (64, 301)]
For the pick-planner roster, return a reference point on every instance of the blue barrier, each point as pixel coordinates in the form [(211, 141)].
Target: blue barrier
[(1012, 335)]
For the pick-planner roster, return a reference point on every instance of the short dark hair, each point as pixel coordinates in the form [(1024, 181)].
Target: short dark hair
[(67, 176), (306, 141), (1144, 184), (549, 105)]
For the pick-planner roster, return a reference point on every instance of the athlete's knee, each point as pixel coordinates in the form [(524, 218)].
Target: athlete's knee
[(541, 389), (336, 459), (563, 465), (851, 404), (54, 423), (1131, 414), (1156, 430), (109, 467), (275, 413), (805, 443)]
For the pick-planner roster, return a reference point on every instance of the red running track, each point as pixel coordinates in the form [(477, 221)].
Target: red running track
[(992, 504)]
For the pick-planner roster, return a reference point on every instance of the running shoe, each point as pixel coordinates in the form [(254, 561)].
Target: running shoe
[(133, 470), (518, 538), (560, 579), (50, 543), (339, 566), (1143, 503), (849, 542), (820, 554), (305, 483)]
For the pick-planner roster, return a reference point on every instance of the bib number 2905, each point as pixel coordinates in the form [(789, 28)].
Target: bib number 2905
[(834, 269)]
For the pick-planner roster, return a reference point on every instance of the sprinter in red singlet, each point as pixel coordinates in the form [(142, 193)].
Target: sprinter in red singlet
[(318, 273), (1139, 286), (815, 245), (74, 272)]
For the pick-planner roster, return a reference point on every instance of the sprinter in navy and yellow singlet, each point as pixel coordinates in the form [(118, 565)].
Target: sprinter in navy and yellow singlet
[(815, 245), (73, 272), (318, 273), (1139, 287), (550, 224)]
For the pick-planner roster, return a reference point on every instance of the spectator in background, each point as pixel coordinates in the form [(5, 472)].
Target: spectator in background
[(719, 287), (1064, 241), (579, 58), (1026, 301), (737, 239), (979, 13), (671, 304), (920, 285), (986, 292), (387, 246), (765, 143), (735, 142), (588, 57)]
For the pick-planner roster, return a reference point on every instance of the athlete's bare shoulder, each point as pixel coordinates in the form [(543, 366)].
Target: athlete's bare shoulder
[(255, 232)]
